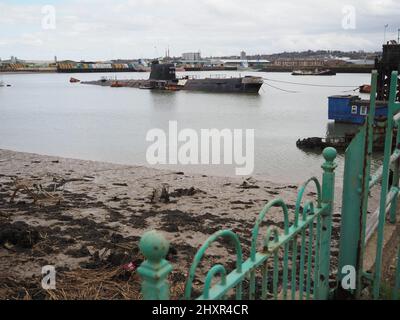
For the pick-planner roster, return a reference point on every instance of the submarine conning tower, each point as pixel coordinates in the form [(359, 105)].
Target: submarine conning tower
[(163, 72), (389, 62)]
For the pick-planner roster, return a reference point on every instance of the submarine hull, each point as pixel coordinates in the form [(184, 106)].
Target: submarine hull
[(234, 85), (163, 77)]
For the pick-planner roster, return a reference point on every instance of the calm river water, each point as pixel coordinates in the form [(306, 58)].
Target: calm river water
[(45, 114)]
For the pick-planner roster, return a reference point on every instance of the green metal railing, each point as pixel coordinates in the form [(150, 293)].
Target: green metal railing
[(358, 226), (294, 263)]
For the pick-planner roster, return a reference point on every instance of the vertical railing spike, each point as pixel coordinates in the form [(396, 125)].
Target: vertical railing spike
[(328, 191)]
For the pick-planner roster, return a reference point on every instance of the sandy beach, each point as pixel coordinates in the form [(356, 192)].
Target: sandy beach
[(86, 218)]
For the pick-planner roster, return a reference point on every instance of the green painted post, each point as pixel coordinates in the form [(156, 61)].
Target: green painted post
[(366, 180), (384, 188), (155, 269), (396, 171), (328, 198), (350, 229)]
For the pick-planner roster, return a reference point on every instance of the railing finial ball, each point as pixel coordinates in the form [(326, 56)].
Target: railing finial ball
[(154, 246), (330, 154)]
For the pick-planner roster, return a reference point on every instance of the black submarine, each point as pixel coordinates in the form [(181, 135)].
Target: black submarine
[(163, 77)]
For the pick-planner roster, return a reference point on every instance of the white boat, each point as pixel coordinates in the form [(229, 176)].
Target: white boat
[(316, 72), (2, 84)]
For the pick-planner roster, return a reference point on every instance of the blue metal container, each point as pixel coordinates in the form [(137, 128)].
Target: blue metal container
[(351, 109)]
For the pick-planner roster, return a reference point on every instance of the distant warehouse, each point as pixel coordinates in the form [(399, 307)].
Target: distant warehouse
[(301, 63), (191, 56), (71, 66), (258, 63)]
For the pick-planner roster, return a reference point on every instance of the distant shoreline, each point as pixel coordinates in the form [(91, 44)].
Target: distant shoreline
[(28, 72), (352, 69), (271, 70)]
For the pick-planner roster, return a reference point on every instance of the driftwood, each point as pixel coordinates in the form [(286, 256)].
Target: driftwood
[(35, 191), (160, 194)]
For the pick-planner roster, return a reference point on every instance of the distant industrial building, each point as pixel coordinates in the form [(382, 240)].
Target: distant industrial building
[(191, 56), (299, 63), (244, 63), (307, 63), (260, 63), (193, 61)]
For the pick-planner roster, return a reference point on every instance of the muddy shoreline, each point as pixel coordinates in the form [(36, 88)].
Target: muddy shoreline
[(88, 217)]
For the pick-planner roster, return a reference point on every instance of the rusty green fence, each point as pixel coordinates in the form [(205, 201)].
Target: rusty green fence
[(358, 226), (293, 263)]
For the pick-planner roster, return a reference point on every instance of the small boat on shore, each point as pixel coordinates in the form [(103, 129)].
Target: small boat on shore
[(321, 143), (316, 72), (74, 80)]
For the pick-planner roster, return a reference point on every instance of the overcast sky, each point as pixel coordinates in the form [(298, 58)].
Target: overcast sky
[(107, 29)]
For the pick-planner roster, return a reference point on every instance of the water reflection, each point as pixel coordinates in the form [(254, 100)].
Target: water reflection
[(162, 99)]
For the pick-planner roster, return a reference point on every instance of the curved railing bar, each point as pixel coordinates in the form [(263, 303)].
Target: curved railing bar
[(301, 194), (199, 255), (216, 270), (274, 203)]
